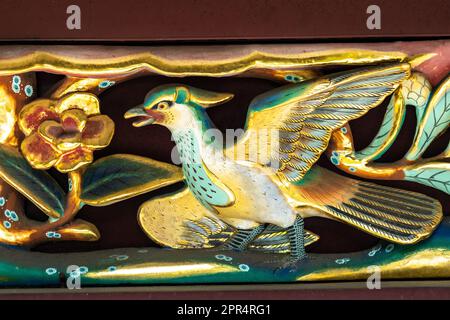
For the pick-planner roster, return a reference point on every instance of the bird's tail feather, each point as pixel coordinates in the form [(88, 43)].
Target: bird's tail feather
[(393, 214)]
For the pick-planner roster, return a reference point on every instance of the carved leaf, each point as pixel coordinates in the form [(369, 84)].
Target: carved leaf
[(388, 131), (120, 177), (435, 175), (36, 185), (435, 120)]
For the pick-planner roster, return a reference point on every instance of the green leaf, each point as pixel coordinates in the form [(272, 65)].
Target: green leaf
[(435, 175), (121, 176), (435, 120), (387, 133), (36, 185)]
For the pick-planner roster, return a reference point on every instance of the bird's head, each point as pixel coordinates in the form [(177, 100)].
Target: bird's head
[(172, 105)]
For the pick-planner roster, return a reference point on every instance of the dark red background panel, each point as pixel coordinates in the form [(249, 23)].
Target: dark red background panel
[(162, 20)]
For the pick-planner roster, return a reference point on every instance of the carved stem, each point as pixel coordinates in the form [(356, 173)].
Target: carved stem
[(73, 204), (52, 229), (342, 153), (414, 91), (23, 231)]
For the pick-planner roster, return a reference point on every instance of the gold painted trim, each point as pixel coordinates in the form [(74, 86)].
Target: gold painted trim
[(432, 263), (134, 63), (160, 270)]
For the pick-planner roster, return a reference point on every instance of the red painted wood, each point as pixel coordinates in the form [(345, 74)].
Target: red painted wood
[(162, 20)]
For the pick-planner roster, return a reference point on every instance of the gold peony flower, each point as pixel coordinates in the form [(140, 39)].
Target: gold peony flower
[(64, 133)]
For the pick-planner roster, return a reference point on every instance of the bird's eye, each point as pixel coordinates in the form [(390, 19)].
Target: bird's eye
[(162, 105)]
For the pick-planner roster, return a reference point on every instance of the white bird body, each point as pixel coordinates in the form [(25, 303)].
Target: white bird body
[(256, 197)]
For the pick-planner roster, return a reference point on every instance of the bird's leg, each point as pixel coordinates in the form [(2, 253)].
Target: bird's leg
[(296, 235), (297, 245), (243, 238)]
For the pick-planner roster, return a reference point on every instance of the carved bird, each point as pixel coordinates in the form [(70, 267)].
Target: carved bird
[(266, 178)]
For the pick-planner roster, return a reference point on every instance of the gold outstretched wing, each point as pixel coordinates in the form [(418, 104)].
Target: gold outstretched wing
[(304, 115), (179, 220)]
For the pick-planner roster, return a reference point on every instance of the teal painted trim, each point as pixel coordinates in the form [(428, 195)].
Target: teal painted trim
[(23, 268)]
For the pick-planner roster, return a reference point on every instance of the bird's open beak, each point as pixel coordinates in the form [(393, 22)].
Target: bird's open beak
[(144, 118)]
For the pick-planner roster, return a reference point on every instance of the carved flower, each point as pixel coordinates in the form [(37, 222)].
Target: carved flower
[(64, 133)]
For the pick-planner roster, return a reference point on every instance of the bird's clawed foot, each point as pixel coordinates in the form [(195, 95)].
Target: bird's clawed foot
[(297, 247), (242, 238)]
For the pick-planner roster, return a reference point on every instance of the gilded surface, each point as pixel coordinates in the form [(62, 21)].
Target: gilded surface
[(244, 210)]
